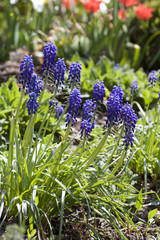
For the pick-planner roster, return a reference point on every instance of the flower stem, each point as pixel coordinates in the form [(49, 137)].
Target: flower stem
[(94, 154)]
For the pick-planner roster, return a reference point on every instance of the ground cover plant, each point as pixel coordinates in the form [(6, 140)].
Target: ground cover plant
[(40, 177)]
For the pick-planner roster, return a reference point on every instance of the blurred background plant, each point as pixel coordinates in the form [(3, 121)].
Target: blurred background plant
[(116, 29)]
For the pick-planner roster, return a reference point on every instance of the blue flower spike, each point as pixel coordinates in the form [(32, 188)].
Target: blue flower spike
[(32, 103), (88, 122), (74, 105), (26, 70), (59, 72), (50, 53), (98, 92), (152, 78), (74, 74), (129, 118), (114, 105)]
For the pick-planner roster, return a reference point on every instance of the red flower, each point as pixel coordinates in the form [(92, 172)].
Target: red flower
[(128, 3), (91, 6), (143, 12), (122, 14), (67, 3)]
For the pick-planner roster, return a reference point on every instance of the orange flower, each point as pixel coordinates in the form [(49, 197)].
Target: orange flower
[(143, 12), (128, 3), (67, 3), (122, 14), (91, 6)]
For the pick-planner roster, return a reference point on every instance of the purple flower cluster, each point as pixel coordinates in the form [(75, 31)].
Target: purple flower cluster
[(86, 127), (59, 108), (50, 53), (31, 82), (152, 78), (117, 113), (32, 103), (59, 71), (59, 111), (36, 85), (114, 105), (98, 92), (74, 104), (52, 104), (74, 74), (119, 92), (88, 122), (129, 118), (26, 71), (89, 108), (134, 87)]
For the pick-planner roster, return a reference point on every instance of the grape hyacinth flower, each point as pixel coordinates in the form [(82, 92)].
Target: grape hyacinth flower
[(60, 69), (152, 78), (50, 53), (36, 85), (32, 103), (26, 70), (129, 118), (114, 105), (98, 92), (134, 87), (74, 104), (118, 91), (86, 127), (74, 74), (52, 104), (89, 108), (59, 111), (88, 122)]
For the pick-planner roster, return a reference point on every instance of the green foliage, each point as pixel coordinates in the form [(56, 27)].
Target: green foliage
[(40, 177), (9, 98)]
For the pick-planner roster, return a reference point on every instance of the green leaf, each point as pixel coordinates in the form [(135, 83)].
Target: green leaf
[(139, 201), (151, 214)]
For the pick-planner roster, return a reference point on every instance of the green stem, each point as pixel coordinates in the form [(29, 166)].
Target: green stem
[(55, 128), (70, 159), (119, 162), (94, 154), (110, 158), (78, 160), (145, 119)]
